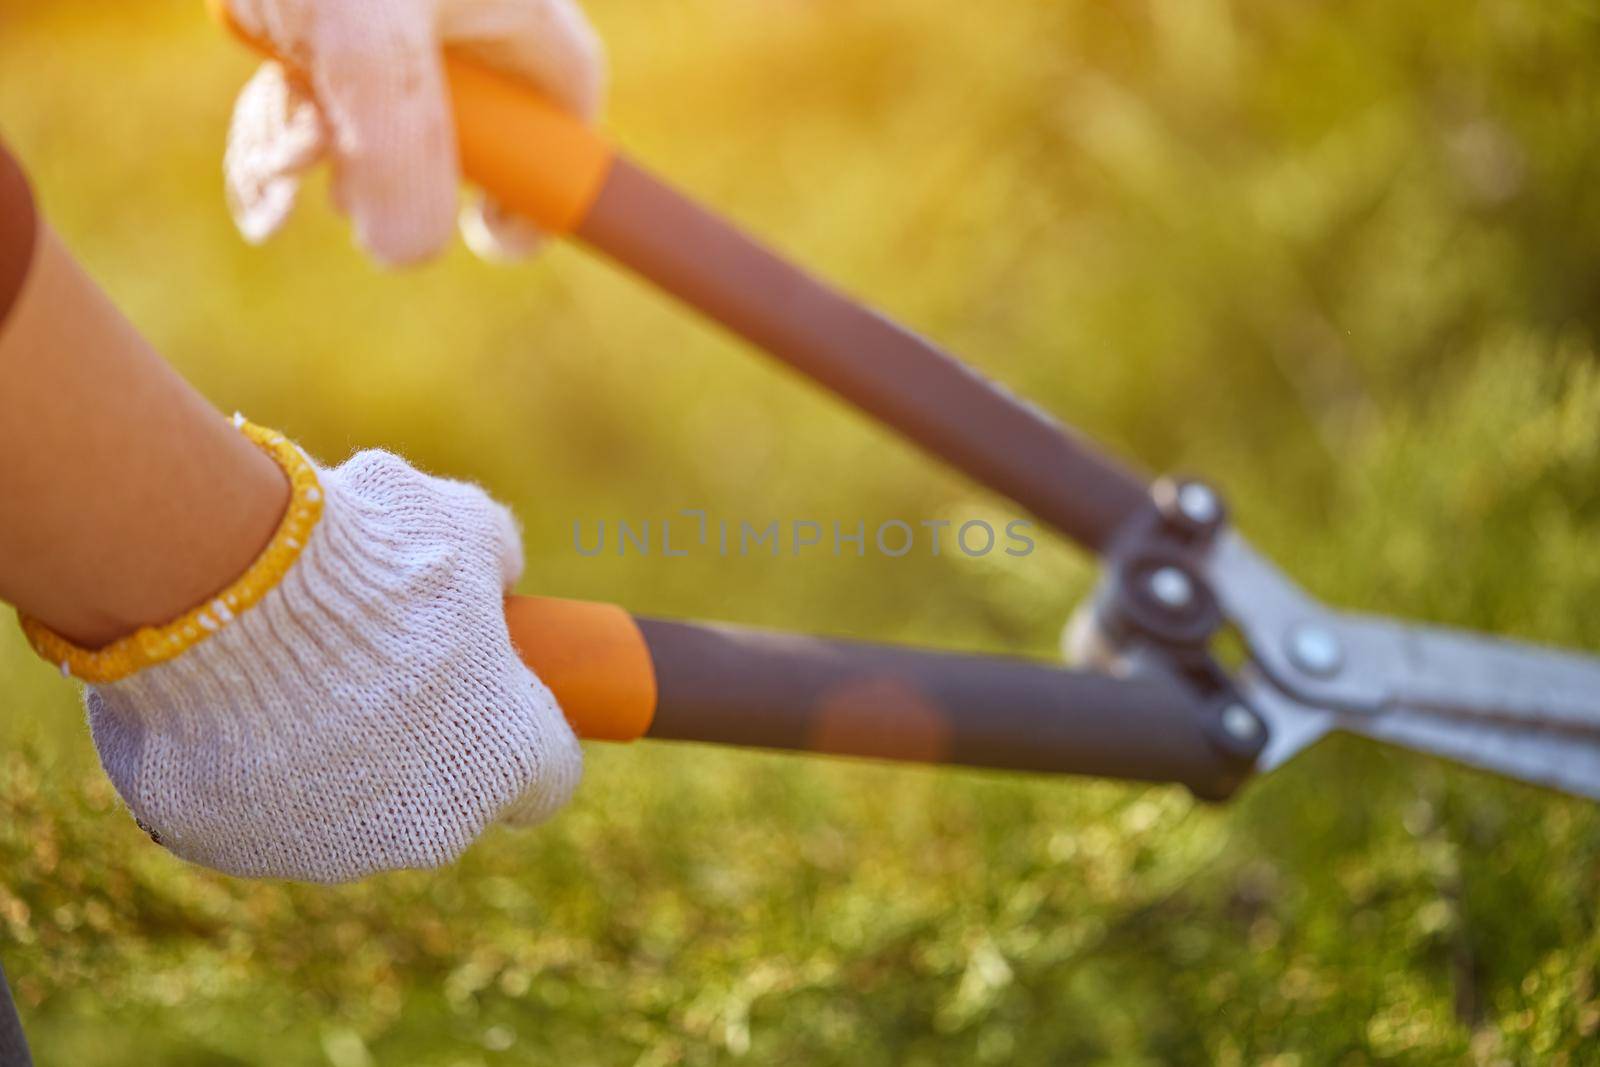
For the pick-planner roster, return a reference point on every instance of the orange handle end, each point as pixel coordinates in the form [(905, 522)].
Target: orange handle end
[(536, 159), (533, 157), (593, 658)]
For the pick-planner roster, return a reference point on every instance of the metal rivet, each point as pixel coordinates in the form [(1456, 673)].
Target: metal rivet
[(1240, 723), (1171, 587), (1316, 650), (1198, 504)]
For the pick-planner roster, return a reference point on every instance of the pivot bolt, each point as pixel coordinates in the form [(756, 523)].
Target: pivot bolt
[(1171, 587), (1240, 723), (1197, 503), (1190, 508), (1316, 650)]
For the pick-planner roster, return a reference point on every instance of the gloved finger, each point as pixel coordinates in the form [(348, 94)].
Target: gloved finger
[(377, 74), (507, 544), (276, 135), (478, 519), (495, 234), (549, 43), (284, 24), (558, 761), (491, 525)]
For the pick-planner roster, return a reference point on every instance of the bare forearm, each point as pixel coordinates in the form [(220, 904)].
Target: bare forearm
[(125, 498)]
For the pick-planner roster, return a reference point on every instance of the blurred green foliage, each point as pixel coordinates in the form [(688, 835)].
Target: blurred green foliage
[(1343, 256)]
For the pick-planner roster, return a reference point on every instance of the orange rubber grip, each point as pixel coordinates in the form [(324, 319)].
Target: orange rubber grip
[(593, 658), (533, 157)]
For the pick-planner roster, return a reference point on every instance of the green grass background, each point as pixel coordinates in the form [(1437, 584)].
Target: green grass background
[(1344, 257)]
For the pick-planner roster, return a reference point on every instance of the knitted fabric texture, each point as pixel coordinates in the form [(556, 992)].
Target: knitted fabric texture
[(368, 714)]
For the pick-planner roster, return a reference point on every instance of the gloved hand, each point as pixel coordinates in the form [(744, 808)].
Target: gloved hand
[(352, 704), (372, 98)]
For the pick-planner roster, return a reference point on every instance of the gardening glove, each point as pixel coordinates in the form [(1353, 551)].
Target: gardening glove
[(367, 91), (352, 704)]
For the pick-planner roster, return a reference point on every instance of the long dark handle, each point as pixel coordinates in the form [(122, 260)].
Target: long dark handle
[(892, 374), (618, 678), (767, 689)]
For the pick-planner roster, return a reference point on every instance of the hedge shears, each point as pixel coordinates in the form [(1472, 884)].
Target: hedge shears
[(1146, 695)]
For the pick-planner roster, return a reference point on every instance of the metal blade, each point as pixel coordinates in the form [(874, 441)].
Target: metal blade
[(1558, 760), (1447, 672), (1517, 709)]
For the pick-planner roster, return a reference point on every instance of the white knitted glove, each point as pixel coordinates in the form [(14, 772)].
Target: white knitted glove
[(368, 713), (374, 101)]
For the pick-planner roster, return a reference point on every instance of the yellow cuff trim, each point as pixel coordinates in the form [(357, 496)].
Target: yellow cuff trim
[(150, 645)]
